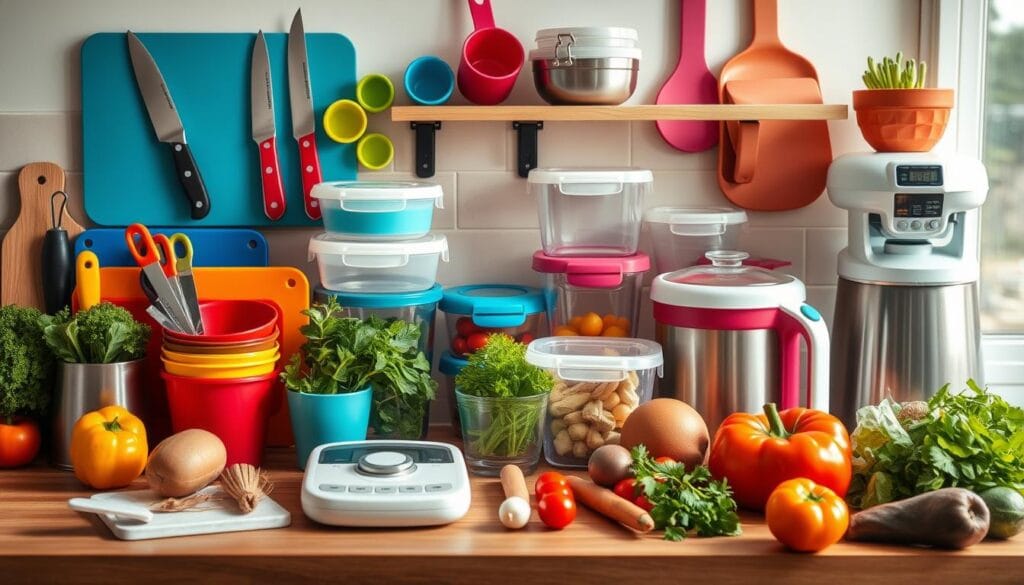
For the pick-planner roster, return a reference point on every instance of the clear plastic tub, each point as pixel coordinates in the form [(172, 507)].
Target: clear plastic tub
[(477, 310), (592, 296), (590, 212), (449, 366), (378, 267), (681, 235), (598, 383), (378, 210)]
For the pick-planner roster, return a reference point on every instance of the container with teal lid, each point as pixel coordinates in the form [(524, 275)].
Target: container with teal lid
[(378, 210), (450, 365), (474, 311)]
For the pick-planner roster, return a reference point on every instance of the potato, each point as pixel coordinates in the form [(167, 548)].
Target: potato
[(185, 462)]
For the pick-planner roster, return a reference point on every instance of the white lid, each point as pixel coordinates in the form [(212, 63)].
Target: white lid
[(378, 191), (558, 176), (567, 54), (588, 34), (593, 359), (429, 244), (727, 284), (696, 215), (586, 42)]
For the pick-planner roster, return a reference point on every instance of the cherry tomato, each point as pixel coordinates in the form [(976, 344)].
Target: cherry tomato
[(626, 489), (549, 477), (476, 341), (665, 460), (459, 346), (554, 488), (556, 510), (525, 338), (643, 502), (19, 442), (465, 326)]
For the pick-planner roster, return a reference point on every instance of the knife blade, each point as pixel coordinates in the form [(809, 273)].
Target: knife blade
[(300, 95), (167, 125), (261, 98)]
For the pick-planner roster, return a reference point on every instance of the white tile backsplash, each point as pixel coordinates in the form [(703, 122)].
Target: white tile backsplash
[(823, 246), (578, 144), (491, 200)]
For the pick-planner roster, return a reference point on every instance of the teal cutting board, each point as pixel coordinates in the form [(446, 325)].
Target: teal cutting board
[(129, 176)]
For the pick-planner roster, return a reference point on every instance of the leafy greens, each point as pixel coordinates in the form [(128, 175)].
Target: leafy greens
[(101, 334), (26, 363)]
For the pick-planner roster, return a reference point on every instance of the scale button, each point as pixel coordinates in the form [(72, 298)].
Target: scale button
[(359, 489), (933, 224), (901, 225), (386, 489), (915, 225), (385, 463), (433, 488), (331, 487), (810, 312), (410, 489)]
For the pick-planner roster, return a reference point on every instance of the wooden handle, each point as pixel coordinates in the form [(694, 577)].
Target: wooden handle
[(310, 167), (513, 482)]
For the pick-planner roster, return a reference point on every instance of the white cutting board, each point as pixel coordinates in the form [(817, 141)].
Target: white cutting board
[(219, 514)]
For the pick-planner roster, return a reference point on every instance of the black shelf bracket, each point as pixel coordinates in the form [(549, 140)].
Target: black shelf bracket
[(425, 150), (526, 152)]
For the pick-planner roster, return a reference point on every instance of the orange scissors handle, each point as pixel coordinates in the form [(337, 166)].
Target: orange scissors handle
[(165, 250), (141, 244)]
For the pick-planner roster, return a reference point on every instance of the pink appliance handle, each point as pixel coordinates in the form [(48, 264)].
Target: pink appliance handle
[(483, 16), (794, 323), (691, 34)]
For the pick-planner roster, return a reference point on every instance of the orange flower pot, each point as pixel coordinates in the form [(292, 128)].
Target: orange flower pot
[(902, 120)]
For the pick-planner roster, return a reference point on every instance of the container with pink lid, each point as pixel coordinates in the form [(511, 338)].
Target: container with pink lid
[(592, 295)]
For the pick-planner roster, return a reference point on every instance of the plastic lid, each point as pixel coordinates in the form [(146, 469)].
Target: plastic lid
[(493, 301), (379, 191), (429, 244), (695, 215), (638, 262), (556, 176), (382, 300), (566, 54), (450, 365), (588, 34), (593, 359), (727, 284)]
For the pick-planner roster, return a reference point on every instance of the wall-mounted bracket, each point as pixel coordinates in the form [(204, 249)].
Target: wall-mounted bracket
[(425, 150), (526, 146)]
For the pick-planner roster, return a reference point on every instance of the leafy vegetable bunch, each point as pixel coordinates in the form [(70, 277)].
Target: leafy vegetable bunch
[(500, 370), (346, 354), (26, 364), (101, 334), (684, 500), (895, 73), (971, 439)]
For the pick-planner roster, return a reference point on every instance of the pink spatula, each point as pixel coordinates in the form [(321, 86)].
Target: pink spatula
[(690, 83)]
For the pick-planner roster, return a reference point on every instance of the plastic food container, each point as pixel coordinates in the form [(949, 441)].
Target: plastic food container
[(378, 210), (590, 212), (418, 308), (681, 235), (477, 310), (592, 296), (450, 366), (378, 267), (598, 383), (586, 65)]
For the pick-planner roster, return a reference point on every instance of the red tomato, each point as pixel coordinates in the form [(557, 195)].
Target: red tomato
[(554, 488), (556, 510), (526, 338), (459, 346), (665, 460), (476, 341), (644, 503), (549, 477), (626, 489), (19, 442), (466, 327)]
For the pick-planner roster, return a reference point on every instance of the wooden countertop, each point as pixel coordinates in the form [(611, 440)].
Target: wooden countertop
[(41, 540)]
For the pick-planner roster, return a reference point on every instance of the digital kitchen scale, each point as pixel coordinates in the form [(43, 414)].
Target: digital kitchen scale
[(385, 483)]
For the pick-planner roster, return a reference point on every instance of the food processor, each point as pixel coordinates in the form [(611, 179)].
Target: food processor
[(906, 314)]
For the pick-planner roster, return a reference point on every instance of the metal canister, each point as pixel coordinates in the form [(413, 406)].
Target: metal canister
[(83, 388)]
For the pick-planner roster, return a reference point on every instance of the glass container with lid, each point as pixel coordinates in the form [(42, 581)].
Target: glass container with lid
[(681, 235)]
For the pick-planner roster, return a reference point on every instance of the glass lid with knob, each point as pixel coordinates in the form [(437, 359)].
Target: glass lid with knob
[(727, 283)]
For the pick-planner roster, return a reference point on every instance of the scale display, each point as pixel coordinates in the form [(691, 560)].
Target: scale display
[(417, 454), (918, 205), (919, 175)]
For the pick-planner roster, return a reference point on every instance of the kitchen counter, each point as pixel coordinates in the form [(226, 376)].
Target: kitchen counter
[(41, 540)]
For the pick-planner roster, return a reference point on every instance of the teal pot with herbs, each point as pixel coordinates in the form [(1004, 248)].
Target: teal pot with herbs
[(83, 388), (327, 418), (499, 431)]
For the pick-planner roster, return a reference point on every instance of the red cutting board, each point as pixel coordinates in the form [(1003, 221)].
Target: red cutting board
[(284, 286)]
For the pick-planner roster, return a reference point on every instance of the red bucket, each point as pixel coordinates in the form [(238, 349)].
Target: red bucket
[(231, 322), (236, 410)]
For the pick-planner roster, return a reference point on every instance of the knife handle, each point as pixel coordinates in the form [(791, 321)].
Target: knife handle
[(310, 173), (270, 174), (191, 181)]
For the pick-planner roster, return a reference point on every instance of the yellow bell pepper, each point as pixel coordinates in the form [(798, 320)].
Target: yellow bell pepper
[(108, 448)]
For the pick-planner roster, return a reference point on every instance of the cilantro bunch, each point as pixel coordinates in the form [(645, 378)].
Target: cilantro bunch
[(683, 500), (101, 334), (26, 364)]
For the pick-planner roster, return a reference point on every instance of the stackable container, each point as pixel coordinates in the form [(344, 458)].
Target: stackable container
[(418, 308), (617, 375), (681, 235), (378, 266), (590, 212), (450, 365), (382, 210), (518, 311), (594, 65), (577, 287)]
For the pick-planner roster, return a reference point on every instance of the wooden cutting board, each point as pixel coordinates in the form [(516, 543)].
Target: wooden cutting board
[(22, 248)]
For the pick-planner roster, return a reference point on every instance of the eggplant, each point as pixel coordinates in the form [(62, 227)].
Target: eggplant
[(952, 518)]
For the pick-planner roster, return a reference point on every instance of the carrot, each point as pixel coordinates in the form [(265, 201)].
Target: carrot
[(606, 503)]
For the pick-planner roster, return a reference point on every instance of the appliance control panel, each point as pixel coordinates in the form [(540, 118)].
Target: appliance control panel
[(917, 214)]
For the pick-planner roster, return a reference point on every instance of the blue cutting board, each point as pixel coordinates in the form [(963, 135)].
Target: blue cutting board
[(210, 247), (129, 176)]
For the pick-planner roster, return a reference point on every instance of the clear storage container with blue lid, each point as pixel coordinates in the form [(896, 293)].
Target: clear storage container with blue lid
[(476, 310), (450, 365), (376, 210)]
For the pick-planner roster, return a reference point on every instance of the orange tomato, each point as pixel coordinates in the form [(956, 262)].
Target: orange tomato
[(564, 331), (805, 516), (610, 320), (575, 321), (624, 323), (614, 331), (591, 325)]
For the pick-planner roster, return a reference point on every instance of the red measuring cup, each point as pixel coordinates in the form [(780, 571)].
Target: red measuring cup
[(491, 59)]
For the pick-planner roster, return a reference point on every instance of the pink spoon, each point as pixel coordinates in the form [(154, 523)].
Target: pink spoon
[(690, 83)]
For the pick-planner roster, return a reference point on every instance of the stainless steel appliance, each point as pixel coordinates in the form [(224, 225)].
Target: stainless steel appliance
[(906, 314)]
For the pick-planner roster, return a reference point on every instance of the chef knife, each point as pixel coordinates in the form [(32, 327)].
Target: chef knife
[(261, 97), (167, 125), (300, 94)]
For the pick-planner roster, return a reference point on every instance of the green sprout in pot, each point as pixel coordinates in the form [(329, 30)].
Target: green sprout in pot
[(101, 334), (500, 371), (26, 364), (895, 73)]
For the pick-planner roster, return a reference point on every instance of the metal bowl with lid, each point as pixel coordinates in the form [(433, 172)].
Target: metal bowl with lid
[(586, 65)]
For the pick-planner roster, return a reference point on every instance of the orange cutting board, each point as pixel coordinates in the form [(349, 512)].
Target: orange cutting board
[(285, 286)]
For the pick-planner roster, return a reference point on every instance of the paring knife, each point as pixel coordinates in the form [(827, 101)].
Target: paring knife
[(300, 94), (167, 125), (261, 98)]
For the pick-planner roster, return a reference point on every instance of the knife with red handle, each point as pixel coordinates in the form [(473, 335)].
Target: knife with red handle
[(300, 94), (264, 132)]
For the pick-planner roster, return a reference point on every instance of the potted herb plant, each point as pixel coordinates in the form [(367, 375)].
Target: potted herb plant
[(26, 368), (100, 353), (897, 113), (502, 400), (349, 368)]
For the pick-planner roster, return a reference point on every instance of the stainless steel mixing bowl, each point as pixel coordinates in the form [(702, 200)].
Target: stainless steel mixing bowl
[(608, 81)]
